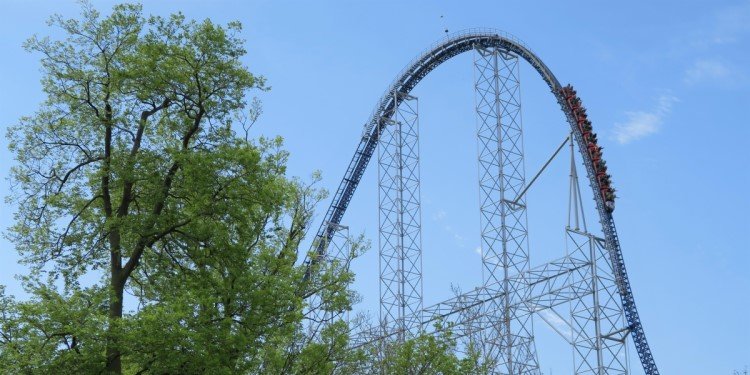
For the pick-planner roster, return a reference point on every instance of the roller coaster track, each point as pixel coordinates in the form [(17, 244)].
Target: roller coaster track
[(406, 80)]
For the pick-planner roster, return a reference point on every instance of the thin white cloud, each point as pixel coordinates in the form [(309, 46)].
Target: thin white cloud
[(732, 23), (479, 252), (707, 71), (712, 63), (641, 124), (440, 215), (727, 25), (457, 238)]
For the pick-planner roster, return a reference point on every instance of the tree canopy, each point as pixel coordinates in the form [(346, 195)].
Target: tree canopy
[(131, 169)]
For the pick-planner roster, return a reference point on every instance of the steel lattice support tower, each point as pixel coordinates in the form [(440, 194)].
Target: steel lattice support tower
[(400, 241), (503, 223), (598, 326)]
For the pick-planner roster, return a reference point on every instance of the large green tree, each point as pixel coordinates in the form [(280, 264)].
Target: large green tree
[(160, 238), (131, 169)]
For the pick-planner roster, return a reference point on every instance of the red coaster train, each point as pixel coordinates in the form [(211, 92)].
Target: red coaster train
[(595, 151)]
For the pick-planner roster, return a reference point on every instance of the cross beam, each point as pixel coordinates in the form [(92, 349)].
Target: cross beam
[(552, 284)]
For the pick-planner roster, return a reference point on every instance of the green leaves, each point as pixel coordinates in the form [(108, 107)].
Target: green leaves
[(430, 354), (173, 240), (53, 333)]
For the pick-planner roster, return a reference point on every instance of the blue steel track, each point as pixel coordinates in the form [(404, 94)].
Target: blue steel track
[(408, 78)]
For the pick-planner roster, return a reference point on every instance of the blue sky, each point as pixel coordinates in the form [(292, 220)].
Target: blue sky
[(667, 85)]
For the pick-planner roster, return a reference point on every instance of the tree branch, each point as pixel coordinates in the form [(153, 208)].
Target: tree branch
[(64, 179), (145, 242), (127, 190)]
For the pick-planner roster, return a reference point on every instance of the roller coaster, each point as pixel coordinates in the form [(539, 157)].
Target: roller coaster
[(592, 279)]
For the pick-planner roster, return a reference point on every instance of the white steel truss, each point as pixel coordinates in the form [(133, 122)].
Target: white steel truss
[(400, 241), (504, 237)]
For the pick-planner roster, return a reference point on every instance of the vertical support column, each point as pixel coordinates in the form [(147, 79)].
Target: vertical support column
[(599, 327), (400, 237), (502, 222)]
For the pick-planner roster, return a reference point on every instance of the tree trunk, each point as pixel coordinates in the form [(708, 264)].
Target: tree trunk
[(117, 285), (114, 362)]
